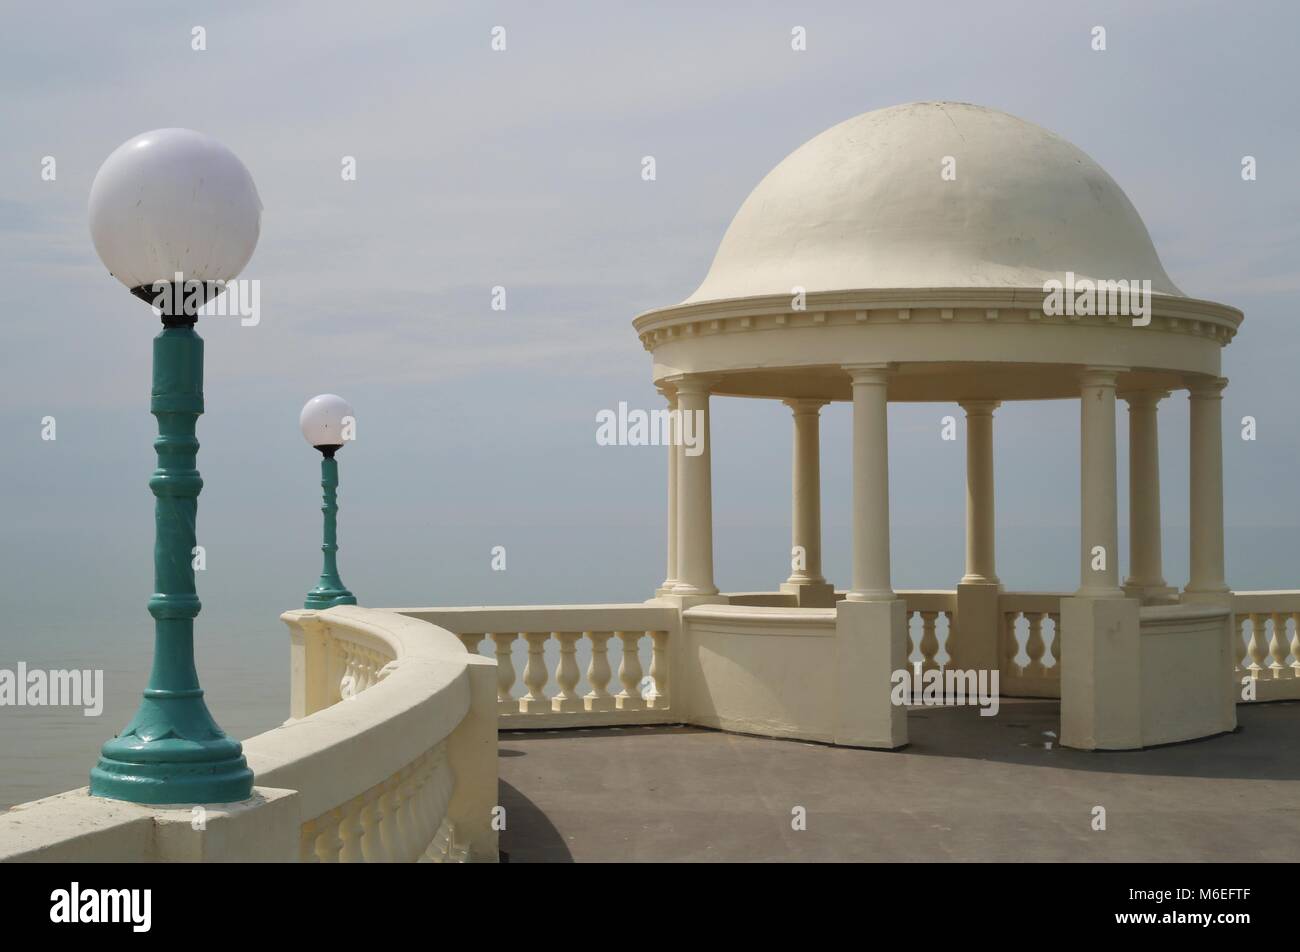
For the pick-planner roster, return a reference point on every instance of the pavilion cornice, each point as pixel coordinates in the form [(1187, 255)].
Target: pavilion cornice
[(1169, 313)]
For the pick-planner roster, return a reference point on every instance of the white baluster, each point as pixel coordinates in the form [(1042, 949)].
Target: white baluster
[(350, 832), (471, 642), (598, 673), (307, 843), (1010, 645), (1256, 648), (348, 677), (929, 642), (406, 833), (1277, 646), (389, 835), (658, 699), (629, 672), (372, 844), (506, 672), (535, 674), (328, 843), (425, 795), (1035, 647), (1295, 644), (566, 673)]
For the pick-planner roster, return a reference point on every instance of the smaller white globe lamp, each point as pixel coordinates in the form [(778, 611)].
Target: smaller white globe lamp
[(327, 422)]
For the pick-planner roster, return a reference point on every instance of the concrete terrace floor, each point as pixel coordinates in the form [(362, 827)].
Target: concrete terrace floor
[(967, 788)]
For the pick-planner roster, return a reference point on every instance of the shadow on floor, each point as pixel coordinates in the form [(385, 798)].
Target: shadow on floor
[(529, 836)]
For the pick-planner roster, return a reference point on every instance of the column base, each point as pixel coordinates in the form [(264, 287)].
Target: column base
[(978, 627), (879, 595), (1100, 593), (683, 602), (682, 588), (1206, 596), (810, 593), (1148, 594)]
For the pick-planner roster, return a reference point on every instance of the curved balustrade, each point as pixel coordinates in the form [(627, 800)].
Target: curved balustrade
[(389, 756), (378, 699)]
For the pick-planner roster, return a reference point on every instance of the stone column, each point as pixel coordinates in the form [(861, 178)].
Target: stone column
[(670, 580), (694, 490), (806, 579), (871, 577), (1207, 576), (980, 544), (978, 592), (1146, 574), (1100, 505)]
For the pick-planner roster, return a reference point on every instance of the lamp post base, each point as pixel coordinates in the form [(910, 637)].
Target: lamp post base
[(172, 752), (322, 598)]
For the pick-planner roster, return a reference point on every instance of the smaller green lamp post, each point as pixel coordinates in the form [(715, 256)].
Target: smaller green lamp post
[(327, 423)]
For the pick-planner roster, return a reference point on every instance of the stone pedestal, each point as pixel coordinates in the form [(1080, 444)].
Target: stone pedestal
[(870, 645), (1101, 674), (978, 626)]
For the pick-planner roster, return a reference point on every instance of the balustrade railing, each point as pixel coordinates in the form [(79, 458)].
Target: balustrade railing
[(928, 614), (1268, 653), (1031, 625), (384, 706), (563, 690), (389, 755)]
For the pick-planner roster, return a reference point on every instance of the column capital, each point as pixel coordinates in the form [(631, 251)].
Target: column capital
[(1206, 388), (667, 390), (805, 405), (1142, 399), (979, 407), (1099, 376), (869, 373), (691, 383)]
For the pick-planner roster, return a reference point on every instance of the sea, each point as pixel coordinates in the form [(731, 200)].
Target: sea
[(242, 646)]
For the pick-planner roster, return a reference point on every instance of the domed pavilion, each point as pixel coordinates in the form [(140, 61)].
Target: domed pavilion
[(946, 252)]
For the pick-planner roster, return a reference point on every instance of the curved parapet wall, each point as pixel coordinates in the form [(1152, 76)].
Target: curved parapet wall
[(372, 747), (390, 756)]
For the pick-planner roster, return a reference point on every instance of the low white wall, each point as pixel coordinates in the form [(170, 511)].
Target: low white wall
[(820, 674), (1135, 677), (405, 767), (1187, 662), (759, 670)]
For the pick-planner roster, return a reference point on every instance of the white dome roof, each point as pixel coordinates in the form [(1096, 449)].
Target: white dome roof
[(864, 206)]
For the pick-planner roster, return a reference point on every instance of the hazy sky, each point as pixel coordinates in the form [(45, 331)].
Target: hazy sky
[(521, 168)]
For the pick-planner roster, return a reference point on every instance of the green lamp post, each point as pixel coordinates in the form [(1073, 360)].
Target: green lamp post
[(327, 422), (174, 215)]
